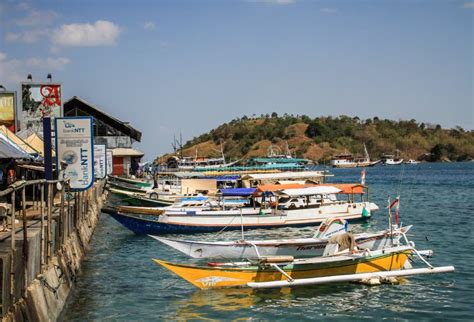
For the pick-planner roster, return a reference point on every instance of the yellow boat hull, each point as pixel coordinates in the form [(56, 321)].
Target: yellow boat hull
[(217, 277)]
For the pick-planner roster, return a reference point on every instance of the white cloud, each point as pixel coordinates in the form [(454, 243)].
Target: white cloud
[(28, 37), (468, 5), (329, 10), (149, 25), (57, 63), (37, 18), (10, 71), (276, 2), (101, 33), (14, 71)]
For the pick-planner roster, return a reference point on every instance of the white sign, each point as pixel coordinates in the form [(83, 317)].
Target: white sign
[(110, 162), (100, 165), (75, 150)]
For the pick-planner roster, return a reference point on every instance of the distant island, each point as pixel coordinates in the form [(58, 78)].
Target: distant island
[(320, 138)]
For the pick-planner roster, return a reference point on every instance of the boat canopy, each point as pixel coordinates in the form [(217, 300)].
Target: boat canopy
[(279, 160), (311, 191), (286, 175), (237, 192), (345, 188), (275, 187), (225, 178)]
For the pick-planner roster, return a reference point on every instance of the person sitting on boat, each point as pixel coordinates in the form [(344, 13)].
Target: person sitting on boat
[(340, 244)]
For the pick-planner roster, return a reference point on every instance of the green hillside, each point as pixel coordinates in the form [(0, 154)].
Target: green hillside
[(322, 137)]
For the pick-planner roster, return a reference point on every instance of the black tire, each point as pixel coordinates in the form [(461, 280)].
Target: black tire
[(153, 195)]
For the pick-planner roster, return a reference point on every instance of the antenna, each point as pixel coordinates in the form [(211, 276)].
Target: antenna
[(174, 144), (222, 150), (180, 144)]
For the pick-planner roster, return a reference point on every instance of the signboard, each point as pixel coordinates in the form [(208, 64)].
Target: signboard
[(8, 110), (110, 162), (75, 150), (38, 101), (100, 163)]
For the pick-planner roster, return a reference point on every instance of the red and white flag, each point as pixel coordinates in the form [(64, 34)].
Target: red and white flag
[(395, 204), (362, 177)]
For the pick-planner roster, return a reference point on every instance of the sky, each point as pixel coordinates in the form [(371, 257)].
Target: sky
[(187, 66)]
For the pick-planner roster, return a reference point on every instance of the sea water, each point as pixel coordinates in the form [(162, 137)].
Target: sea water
[(119, 281)]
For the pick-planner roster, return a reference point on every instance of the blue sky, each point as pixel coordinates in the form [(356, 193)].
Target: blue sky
[(187, 66)]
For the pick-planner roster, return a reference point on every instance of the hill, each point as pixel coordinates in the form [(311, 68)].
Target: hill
[(320, 138)]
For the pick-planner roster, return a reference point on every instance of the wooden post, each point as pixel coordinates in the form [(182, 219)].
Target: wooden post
[(13, 246), (33, 188), (62, 219), (50, 221), (42, 252), (25, 240)]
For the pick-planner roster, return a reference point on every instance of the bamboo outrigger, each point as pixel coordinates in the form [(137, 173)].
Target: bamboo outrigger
[(286, 271)]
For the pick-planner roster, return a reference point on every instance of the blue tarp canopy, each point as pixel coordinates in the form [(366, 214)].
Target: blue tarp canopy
[(237, 192), (9, 149), (227, 178)]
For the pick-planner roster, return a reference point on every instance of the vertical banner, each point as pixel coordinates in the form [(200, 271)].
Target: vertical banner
[(38, 101), (8, 110), (75, 150), (100, 163), (110, 162)]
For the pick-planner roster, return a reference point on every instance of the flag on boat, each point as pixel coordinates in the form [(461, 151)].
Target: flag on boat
[(362, 177), (397, 208), (365, 212), (394, 203)]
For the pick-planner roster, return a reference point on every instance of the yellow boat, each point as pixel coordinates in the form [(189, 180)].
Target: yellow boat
[(289, 270)]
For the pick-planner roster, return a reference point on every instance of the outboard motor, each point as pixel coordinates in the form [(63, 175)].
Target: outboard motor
[(331, 227)]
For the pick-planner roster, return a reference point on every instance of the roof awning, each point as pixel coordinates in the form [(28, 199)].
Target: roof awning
[(237, 192), (126, 152), (325, 190)]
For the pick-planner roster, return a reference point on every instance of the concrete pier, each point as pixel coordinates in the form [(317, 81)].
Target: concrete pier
[(38, 275)]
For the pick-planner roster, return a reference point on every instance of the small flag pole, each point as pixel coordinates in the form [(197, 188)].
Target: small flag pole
[(397, 209), (390, 220)]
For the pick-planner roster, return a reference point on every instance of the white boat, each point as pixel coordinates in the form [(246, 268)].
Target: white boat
[(347, 160), (302, 247), (152, 221), (411, 161), (392, 159)]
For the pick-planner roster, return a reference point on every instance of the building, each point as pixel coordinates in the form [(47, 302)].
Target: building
[(117, 135)]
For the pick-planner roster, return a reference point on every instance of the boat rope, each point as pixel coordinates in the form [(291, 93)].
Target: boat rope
[(225, 227), (412, 245)]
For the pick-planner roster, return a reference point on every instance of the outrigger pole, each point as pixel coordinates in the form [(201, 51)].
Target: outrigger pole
[(351, 277)]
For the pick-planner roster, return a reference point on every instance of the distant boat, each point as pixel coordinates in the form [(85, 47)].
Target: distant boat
[(392, 159), (347, 160), (411, 161)]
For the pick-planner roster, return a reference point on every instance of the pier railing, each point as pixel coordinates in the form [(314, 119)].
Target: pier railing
[(44, 213)]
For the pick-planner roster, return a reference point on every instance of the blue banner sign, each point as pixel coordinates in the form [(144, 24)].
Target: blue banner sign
[(75, 150)]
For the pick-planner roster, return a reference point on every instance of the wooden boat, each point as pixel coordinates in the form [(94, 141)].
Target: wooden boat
[(127, 187), (286, 271), (347, 160), (140, 199), (139, 183), (298, 248), (156, 221)]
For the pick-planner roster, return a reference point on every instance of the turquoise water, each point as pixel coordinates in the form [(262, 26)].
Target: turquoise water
[(119, 282)]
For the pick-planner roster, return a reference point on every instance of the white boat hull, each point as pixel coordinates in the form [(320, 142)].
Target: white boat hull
[(303, 247)]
